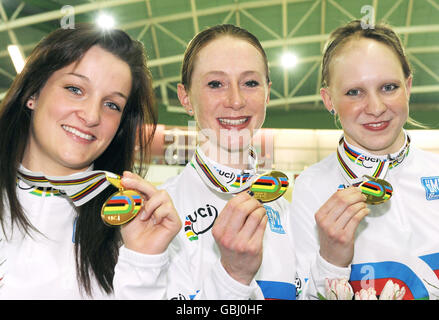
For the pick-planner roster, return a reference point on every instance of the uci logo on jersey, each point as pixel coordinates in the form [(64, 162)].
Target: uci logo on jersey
[(200, 221), (369, 162), (431, 186), (228, 175)]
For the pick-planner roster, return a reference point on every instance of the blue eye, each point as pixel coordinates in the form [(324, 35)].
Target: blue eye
[(74, 90), (252, 83), (113, 106), (390, 87), (214, 84), (353, 92)]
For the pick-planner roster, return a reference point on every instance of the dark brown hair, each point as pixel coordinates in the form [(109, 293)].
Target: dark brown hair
[(96, 245), (206, 36)]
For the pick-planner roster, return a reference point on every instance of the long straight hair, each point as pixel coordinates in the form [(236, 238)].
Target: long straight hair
[(96, 245)]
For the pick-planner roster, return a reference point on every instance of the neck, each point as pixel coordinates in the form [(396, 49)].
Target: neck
[(394, 147), (55, 171)]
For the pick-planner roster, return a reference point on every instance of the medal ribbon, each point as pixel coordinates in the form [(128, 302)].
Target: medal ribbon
[(356, 164), (80, 187), (209, 173)]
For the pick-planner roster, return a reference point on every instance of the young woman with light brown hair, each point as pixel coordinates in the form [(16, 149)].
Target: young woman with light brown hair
[(370, 211)]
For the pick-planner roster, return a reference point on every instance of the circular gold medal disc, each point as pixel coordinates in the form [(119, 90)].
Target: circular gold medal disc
[(269, 186), (376, 190), (121, 207)]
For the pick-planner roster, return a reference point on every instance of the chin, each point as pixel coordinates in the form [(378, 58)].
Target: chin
[(236, 144), (76, 164)]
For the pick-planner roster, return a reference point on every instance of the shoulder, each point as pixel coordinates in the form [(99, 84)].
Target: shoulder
[(320, 170), (421, 155), (174, 183)]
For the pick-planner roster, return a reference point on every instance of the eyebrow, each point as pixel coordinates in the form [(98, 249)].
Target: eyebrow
[(218, 72), (88, 80)]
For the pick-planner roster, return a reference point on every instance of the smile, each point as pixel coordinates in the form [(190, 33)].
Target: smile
[(376, 125), (233, 122), (78, 133)]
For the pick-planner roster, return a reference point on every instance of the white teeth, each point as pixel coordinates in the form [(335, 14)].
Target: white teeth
[(375, 125), (78, 133), (233, 122)]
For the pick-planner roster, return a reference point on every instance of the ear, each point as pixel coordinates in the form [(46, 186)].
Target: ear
[(326, 97), (183, 96), (268, 93), (408, 86), (31, 102)]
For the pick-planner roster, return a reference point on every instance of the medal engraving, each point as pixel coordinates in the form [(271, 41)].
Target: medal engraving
[(376, 190), (122, 206), (269, 186)]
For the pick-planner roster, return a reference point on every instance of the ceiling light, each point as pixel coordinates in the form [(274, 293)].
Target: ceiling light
[(288, 60), (16, 57), (105, 21)]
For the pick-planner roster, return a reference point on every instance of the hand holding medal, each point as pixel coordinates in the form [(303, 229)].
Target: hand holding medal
[(155, 223)]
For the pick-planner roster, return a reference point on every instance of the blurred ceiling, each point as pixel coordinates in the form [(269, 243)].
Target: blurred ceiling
[(299, 26)]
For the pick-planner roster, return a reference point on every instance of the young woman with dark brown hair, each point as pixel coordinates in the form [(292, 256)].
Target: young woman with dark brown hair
[(79, 106)]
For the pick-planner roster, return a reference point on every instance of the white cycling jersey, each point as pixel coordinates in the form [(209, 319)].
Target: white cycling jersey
[(194, 247), (398, 240), (195, 270), (41, 266)]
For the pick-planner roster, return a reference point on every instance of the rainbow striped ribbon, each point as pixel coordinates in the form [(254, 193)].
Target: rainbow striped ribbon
[(80, 187), (355, 163), (209, 172)]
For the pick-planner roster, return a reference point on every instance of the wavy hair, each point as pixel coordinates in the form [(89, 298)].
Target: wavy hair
[(96, 245)]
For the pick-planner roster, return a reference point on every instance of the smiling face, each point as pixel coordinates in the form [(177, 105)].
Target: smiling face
[(370, 94), (77, 113), (228, 94)]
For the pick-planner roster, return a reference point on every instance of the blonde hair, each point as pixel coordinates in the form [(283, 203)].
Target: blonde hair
[(381, 32)]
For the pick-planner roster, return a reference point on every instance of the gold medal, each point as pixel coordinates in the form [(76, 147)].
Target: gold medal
[(269, 186), (376, 190), (122, 206)]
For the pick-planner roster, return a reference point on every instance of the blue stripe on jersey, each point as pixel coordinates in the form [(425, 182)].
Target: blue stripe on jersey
[(432, 260), (390, 269), (277, 290)]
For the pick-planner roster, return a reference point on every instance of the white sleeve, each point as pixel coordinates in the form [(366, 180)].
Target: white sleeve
[(312, 269), (319, 271), (219, 285), (140, 276), (216, 284)]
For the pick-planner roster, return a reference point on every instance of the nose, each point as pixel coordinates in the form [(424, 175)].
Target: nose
[(235, 99), (90, 113), (375, 105)]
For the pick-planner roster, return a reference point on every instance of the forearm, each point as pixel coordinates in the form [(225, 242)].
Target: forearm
[(140, 276)]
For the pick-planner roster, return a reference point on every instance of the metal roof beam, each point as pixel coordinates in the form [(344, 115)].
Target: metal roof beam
[(323, 37), (303, 19), (57, 14), (194, 16)]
